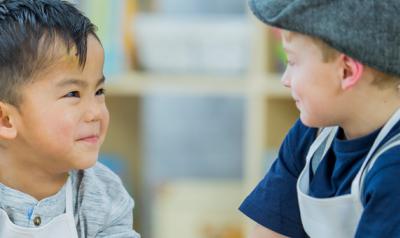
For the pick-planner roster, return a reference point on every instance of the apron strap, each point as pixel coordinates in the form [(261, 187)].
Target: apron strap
[(375, 152), (68, 197), (323, 147), (382, 134), (393, 142)]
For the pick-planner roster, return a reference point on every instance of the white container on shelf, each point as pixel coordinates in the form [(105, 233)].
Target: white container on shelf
[(201, 6), (217, 44)]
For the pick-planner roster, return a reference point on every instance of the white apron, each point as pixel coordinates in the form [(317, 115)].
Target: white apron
[(338, 216), (62, 226)]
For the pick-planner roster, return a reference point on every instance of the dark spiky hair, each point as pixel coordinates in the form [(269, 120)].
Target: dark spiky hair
[(29, 31)]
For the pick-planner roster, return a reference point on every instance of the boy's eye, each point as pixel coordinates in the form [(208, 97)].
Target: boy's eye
[(101, 91), (289, 62), (73, 94)]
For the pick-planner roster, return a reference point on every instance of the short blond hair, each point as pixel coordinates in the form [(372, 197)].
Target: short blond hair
[(381, 79), (328, 53)]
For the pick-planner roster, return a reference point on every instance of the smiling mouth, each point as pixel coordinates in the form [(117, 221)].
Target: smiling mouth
[(93, 139), (297, 102)]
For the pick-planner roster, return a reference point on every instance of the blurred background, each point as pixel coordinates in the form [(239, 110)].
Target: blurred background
[(197, 110)]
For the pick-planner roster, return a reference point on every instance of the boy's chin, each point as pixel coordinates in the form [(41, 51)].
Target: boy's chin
[(309, 122), (85, 163), (306, 121)]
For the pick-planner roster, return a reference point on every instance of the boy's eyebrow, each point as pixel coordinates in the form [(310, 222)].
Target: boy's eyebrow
[(287, 50), (79, 82), (101, 81)]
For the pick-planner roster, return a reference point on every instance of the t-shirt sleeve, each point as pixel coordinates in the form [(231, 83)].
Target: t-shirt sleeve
[(380, 197), (120, 221), (109, 206), (273, 203)]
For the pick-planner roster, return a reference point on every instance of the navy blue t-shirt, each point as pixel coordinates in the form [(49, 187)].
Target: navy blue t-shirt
[(273, 203)]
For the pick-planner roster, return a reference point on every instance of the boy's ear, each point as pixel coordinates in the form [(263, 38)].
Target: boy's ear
[(351, 71), (7, 127)]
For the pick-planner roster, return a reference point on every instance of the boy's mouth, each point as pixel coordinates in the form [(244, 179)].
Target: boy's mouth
[(297, 103), (92, 139)]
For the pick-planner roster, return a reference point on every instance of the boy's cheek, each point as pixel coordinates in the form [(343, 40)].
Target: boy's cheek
[(105, 121), (63, 134)]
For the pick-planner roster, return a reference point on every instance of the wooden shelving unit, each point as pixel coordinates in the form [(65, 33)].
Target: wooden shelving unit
[(269, 110), (139, 84), (269, 113)]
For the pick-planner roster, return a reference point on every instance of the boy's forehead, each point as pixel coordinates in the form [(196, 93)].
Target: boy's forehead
[(62, 53), (290, 36), (61, 61), (59, 51), (69, 59), (57, 62), (295, 40), (58, 54), (287, 35)]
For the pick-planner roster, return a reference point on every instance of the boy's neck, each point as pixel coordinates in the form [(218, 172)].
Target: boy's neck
[(32, 181), (365, 120)]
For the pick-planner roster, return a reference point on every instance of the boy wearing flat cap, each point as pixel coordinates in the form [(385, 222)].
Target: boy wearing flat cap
[(336, 174)]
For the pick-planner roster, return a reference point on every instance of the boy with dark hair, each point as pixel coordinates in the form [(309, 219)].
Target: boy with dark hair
[(53, 119), (343, 72)]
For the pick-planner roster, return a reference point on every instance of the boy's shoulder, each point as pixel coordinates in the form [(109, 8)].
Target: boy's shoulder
[(99, 186), (300, 137), (102, 204), (98, 179), (386, 167), (296, 144)]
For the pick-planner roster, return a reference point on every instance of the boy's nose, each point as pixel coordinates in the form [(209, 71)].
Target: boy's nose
[(285, 80), (93, 112)]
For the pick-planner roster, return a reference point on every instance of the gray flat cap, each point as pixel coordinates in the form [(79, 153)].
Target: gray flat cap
[(366, 30)]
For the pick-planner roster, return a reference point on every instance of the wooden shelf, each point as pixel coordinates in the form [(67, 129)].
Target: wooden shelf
[(270, 86), (138, 84)]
